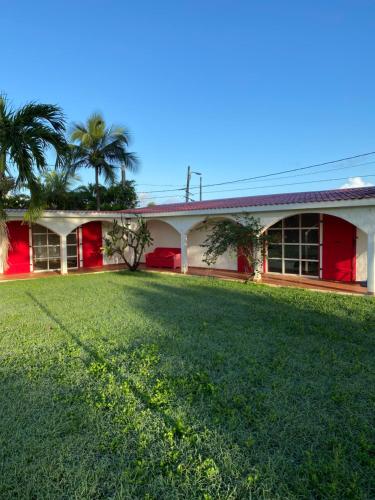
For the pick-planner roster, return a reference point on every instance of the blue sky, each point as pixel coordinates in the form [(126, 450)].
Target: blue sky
[(233, 88)]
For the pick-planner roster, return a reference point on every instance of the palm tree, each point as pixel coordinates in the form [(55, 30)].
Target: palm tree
[(25, 136), (103, 149), (56, 188)]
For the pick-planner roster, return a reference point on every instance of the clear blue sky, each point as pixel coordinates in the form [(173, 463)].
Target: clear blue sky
[(233, 88)]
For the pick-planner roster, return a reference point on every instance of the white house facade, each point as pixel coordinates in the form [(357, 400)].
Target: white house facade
[(327, 235)]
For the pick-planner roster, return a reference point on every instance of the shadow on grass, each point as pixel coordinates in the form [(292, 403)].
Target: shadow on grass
[(258, 390)]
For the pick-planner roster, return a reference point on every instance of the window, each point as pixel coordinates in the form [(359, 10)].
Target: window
[(294, 246), (46, 249), (71, 247)]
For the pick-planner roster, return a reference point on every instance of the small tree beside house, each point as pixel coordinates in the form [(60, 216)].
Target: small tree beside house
[(128, 239), (244, 236)]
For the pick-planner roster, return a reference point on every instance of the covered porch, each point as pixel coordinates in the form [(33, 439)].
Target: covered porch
[(224, 274)]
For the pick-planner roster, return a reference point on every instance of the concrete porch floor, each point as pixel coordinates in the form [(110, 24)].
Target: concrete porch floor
[(268, 279)]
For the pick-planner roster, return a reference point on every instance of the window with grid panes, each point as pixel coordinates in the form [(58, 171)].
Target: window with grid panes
[(294, 245), (46, 249)]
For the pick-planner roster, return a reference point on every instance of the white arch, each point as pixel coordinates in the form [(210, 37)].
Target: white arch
[(64, 226), (359, 218), (210, 219)]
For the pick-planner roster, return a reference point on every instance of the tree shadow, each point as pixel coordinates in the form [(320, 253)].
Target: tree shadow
[(266, 387)]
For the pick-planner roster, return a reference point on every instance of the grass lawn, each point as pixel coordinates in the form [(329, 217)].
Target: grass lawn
[(141, 385)]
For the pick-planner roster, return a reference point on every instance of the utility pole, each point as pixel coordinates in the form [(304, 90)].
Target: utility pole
[(187, 194), (200, 188)]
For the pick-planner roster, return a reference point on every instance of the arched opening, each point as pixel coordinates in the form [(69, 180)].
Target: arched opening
[(37, 248), (314, 245), (164, 235), (166, 241), (46, 249), (196, 237)]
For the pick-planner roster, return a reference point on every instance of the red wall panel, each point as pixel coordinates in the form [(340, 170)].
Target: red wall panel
[(91, 244), (339, 249), (19, 251)]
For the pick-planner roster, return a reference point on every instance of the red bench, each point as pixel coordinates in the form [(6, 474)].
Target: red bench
[(164, 257)]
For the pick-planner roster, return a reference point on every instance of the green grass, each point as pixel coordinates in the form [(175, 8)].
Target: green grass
[(124, 385)]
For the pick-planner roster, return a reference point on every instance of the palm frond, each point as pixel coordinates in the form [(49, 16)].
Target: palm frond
[(32, 113)]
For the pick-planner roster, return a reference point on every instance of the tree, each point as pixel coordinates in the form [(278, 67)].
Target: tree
[(56, 188), (115, 197), (102, 149), (243, 236), (25, 136), (128, 239), (120, 196), (17, 200)]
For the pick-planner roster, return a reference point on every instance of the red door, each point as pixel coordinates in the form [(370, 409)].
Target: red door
[(339, 249), (91, 244), (19, 251)]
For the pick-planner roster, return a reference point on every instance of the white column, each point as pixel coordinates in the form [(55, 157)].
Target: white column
[(257, 263), (371, 263), (184, 255), (63, 255)]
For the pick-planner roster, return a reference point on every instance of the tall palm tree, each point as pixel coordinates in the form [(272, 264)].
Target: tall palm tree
[(103, 149), (56, 188), (25, 136)]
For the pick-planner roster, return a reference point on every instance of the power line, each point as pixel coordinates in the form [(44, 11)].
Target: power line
[(293, 169), (287, 184), (274, 173), (266, 187), (311, 173)]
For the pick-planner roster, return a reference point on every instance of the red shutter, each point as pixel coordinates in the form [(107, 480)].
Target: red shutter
[(19, 251), (91, 244), (339, 249), (242, 264)]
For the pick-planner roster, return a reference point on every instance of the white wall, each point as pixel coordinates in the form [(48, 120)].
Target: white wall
[(195, 252), (116, 259), (361, 274), (164, 236), (106, 226)]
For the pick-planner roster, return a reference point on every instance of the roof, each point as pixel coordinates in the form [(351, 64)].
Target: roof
[(262, 200)]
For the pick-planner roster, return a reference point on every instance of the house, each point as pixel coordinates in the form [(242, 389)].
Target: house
[(328, 235)]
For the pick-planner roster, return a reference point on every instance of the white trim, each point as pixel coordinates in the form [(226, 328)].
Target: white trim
[(31, 249), (321, 226)]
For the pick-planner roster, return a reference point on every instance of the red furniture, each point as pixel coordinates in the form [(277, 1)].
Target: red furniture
[(164, 257)]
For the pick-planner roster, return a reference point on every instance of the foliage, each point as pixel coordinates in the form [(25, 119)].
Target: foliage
[(114, 197), (128, 239), (243, 235), (17, 200), (120, 196), (56, 188), (102, 149), (25, 135), (145, 385), (58, 195)]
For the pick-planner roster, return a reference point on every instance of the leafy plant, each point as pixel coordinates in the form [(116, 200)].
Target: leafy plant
[(25, 136), (128, 239), (243, 236)]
